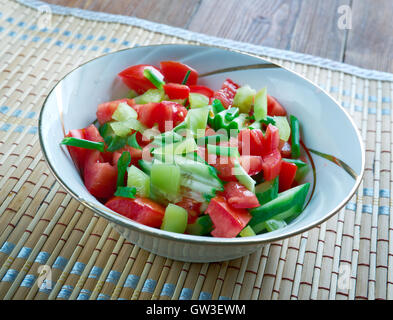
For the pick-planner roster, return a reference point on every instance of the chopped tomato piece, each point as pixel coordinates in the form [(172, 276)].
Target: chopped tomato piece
[(100, 177), (287, 175), (105, 110), (92, 134), (167, 114), (271, 165), (142, 210), (227, 221), (274, 108), (78, 155), (224, 165), (175, 71), (251, 164), (176, 90), (238, 196), (226, 93), (193, 208), (202, 90), (254, 142), (134, 78)]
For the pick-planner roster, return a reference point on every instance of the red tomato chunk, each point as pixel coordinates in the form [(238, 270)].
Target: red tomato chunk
[(175, 71), (134, 78), (141, 210), (227, 221), (238, 196)]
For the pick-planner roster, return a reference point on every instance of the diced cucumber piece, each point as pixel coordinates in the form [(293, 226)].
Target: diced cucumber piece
[(284, 130), (200, 171), (140, 180), (145, 166), (151, 95), (243, 177), (267, 191), (260, 105), (288, 204), (198, 100), (167, 138), (165, 178), (247, 232), (131, 94), (202, 226), (223, 151), (301, 172), (199, 186), (124, 112), (123, 128), (244, 99), (154, 76), (275, 224), (179, 101), (196, 121), (167, 151), (175, 219)]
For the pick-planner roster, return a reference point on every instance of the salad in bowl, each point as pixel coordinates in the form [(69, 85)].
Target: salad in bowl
[(180, 156)]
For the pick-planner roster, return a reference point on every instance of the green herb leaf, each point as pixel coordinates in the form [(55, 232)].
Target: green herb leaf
[(126, 192), (122, 165), (82, 143)]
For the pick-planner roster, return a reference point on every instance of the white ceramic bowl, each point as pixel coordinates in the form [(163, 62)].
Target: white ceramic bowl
[(326, 127)]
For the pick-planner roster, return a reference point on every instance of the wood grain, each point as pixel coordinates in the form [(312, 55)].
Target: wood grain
[(370, 41), (306, 26), (303, 26)]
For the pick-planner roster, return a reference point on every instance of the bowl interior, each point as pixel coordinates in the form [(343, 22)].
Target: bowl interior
[(325, 125)]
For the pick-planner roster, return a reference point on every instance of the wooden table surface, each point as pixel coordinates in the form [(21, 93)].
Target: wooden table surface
[(317, 27)]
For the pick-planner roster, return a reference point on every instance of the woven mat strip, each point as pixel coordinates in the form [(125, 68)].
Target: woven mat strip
[(45, 232)]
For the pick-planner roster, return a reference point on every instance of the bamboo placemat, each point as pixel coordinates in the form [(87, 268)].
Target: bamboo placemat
[(48, 238)]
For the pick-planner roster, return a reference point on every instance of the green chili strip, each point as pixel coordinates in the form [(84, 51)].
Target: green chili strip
[(217, 106), (122, 165), (115, 143), (297, 162), (126, 192), (132, 142), (223, 151), (82, 143), (295, 134), (186, 77), (153, 78)]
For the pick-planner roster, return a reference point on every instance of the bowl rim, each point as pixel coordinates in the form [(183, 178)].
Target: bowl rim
[(116, 218)]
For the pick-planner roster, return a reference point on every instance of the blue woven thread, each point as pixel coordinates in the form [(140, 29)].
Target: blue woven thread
[(131, 281), (167, 290), (7, 247), (185, 294), (149, 285), (84, 294)]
